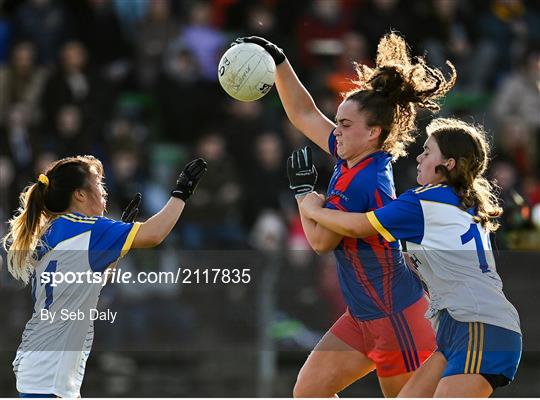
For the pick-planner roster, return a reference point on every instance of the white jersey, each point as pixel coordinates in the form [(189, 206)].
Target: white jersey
[(452, 252), (57, 339)]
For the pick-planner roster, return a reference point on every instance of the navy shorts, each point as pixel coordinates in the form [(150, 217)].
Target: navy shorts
[(478, 348)]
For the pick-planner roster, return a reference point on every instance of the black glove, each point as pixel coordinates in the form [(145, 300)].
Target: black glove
[(301, 172), (277, 54), (189, 178), (132, 210)]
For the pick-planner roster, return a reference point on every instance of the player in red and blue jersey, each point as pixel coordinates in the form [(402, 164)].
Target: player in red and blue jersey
[(446, 223), (383, 327)]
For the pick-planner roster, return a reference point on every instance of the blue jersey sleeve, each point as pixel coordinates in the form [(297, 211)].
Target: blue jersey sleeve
[(400, 219), (110, 240)]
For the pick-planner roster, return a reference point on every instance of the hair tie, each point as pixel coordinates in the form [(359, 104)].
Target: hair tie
[(43, 179)]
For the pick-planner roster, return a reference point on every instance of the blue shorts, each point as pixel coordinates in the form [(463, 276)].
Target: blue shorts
[(478, 348), (37, 395)]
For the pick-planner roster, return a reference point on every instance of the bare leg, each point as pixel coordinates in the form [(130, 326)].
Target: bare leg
[(426, 378), (464, 385), (391, 385), (331, 367)]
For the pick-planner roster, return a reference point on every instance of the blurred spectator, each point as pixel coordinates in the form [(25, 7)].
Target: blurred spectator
[(153, 36), (378, 17), (519, 94), (517, 142), (320, 30), (8, 191), (71, 136), (46, 24), (243, 122), (73, 83), (506, 28), (260, 21), (448, 34), (5, 33), (130, 14), (213, 219), (355, 50), (265, 180), (516, 213), (127, 130), (19, 141), (203, 40), (106, 46), (186, 101), (126, 177), (21, 81)]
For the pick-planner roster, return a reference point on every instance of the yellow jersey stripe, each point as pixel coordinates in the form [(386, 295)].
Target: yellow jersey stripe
[(77, 220), (428, 187), (468, 349), (81, 217), (422, 188), (481, 348), (129, 239), (374, 221)]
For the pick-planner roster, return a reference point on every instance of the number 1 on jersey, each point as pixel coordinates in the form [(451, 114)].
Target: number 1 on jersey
[(474, 233), (51, 267)]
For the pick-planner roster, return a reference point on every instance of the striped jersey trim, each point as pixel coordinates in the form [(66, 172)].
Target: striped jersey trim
[(428, 187), (130, 237), (374, 221), (71, 218)]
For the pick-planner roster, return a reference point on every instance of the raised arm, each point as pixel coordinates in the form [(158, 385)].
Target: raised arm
[(300, 107), (152, 232), (298, 103)]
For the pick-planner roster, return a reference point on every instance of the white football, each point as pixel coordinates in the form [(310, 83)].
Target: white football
[(246, 72)]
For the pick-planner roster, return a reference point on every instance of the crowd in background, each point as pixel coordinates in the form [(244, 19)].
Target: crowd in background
[(134, 82)]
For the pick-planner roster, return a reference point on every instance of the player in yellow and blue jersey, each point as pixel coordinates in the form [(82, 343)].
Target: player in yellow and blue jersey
[(383, 327), (446, 223), (60, 229)]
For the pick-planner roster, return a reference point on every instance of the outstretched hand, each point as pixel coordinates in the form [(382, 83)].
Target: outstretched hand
[(132, 210), (189, 178)]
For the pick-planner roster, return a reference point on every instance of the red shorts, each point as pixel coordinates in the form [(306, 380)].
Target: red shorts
[(397, 344)]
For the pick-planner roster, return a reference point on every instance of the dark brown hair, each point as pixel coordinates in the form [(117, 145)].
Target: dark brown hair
[(391, 92), (468, 146)]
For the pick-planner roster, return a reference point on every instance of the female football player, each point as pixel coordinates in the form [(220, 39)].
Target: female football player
[(446, 223), (383, 327), (60, 241)]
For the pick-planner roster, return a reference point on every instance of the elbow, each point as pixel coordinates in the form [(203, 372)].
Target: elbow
[(153, 240), (156, 240), (322, 248)]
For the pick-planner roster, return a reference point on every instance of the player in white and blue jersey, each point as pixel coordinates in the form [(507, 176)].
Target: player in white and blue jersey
[(60, 229), (446, 223)]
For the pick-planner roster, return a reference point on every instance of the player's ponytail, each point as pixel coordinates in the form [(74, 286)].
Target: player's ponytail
[(40, 203), (392, 92), (468, 146)]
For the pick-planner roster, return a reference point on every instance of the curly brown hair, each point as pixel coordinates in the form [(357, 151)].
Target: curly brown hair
[(391, 92), (468, 146)]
